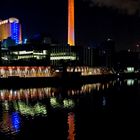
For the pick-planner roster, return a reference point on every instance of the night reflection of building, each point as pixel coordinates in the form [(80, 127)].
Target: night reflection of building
[(62, 103), (6, 124), (71, 126), (40, 93), (10, 122), (26, 109)]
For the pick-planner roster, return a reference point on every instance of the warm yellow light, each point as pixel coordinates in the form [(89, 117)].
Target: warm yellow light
[(71, 126), (71, 35)]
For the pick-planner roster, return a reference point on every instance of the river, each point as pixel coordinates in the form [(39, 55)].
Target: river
[(68, 113)]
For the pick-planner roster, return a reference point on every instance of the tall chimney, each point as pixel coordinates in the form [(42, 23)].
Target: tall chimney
[(71, 33)]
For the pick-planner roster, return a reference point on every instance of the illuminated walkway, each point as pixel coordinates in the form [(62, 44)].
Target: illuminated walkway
[(25, 71), (90, 70), (43, 71)]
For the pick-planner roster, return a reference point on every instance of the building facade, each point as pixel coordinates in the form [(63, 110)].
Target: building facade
[(11, 28), (61, 53), (39, 54)]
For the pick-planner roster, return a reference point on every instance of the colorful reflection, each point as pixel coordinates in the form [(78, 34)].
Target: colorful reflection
[(40, 93), (10, 123), (28, 110), (16, 121), (68, 103), (71, 126), (32, 103), (54, 102), (62, 103)]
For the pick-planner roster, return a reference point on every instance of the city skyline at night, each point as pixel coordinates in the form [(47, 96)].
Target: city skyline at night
[(94, 22), (65, 62)]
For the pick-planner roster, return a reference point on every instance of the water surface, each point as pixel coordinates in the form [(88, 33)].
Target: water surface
[(74, 113)]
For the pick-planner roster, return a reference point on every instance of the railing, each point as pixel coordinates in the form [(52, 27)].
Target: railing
[(43, 71)]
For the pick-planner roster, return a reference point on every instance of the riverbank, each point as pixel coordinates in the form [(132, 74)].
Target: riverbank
[(65, 80)]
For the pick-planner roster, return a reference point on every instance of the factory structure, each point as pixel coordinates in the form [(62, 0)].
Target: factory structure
[(13, 51), (44, 52)]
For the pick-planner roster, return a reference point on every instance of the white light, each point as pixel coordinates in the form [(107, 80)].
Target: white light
[(130, 69), (25, 41), (25, 52), (57, 71), (63, 57), (4, 58), (11, 20), (3, 22), (130, 82)]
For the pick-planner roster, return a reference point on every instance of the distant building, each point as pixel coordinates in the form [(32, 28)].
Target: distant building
[(11, 28), (40, 38), (38, 54), (25, 54), (8, 42), (127, 59), (59, 53), (88, 56), (107, 53)]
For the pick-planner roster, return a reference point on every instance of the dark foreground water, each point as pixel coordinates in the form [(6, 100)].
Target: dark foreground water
[(88, 112)]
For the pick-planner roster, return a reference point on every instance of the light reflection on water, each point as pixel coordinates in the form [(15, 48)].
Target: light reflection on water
[(71, 126), (57, 103), (18, 104), (10, 122), (40, 93), (29, 110)]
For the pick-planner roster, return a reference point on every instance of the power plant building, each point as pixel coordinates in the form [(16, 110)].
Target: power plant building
[(71, 32)]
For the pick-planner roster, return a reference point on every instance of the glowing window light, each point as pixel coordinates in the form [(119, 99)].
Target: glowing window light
[(104, 101), (130, 82), (65, 58), (3, 22), (130, 69), (15, 31)]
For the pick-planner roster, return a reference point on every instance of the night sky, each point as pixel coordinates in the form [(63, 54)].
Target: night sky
[(94, 21)]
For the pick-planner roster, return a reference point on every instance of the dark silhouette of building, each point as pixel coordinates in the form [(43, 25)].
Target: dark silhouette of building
[(107, 53)]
